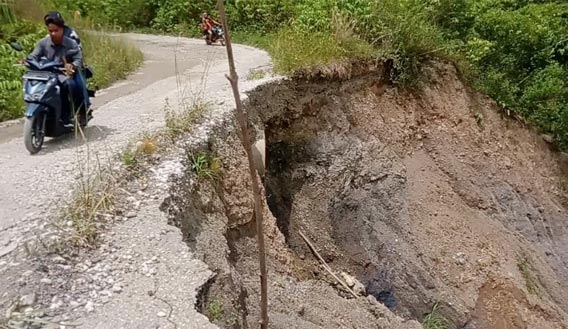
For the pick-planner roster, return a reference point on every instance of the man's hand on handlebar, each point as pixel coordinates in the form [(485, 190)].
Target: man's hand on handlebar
[(69, 69)]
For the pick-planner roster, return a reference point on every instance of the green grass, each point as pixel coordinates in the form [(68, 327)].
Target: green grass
[(204, 165), (180, 122), (256, 75), (434, 320), (215, 311), (112, 58), (292, 49)]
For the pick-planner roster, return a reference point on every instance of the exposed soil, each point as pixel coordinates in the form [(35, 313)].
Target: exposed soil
[(431, 197)]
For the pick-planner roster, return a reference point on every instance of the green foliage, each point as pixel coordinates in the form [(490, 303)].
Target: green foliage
[(7, 11), (26, 34), (434, 320), (521, 56), (294, 49), (111, 58), (260, 15), (110, 13), (514, 50), (215, 310), (204, 165), (404, 31)]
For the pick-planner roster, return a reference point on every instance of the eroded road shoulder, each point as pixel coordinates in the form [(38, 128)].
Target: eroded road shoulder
[(33, 187)]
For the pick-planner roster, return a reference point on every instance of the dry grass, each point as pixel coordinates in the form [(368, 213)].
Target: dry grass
[(96, 194), (136, 154), (180, 122), (112, 58), (94, 197)]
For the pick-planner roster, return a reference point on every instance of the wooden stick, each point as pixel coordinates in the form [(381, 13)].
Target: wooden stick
[(325, 266), (247, 144)]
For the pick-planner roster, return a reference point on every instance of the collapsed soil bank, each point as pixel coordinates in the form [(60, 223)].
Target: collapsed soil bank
[(427, 198)]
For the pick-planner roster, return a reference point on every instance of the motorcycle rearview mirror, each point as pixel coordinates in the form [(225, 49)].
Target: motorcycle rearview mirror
[(16, 46)]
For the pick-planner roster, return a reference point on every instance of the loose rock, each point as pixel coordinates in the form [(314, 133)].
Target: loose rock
[(89, 307), (28, 300)]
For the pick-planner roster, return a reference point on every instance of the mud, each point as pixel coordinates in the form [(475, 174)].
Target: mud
[(429, 197)]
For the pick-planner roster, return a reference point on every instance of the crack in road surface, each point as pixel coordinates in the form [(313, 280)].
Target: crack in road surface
[(174, 68)]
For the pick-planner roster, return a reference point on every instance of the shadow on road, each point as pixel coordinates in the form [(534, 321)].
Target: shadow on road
[(90, 133)]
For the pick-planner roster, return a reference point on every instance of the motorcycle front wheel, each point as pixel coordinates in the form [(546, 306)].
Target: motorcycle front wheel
[(34, 132)]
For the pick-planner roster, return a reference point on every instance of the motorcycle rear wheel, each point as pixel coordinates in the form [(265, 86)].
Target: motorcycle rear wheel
[(34, 132)]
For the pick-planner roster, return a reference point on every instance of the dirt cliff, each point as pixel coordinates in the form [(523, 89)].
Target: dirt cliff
[(432, 197)]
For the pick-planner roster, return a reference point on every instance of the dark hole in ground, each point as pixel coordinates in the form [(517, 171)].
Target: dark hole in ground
[(339, 189), (285, 177), (280, 183)]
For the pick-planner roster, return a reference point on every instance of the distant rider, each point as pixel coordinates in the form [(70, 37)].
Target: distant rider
[(208, 25)]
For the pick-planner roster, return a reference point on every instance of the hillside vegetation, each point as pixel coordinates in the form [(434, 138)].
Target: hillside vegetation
[(514, 50), (20, 21)]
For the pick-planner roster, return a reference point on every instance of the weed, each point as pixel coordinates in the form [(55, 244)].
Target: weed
[(526, 269), (434, 320), (133, 156), (204, 165), (478, 118), (215, 310), (232, 320), (112, 58), (130, 158), (293, 49), (148, 145), (256, 75), (94, 197), (178, 123)]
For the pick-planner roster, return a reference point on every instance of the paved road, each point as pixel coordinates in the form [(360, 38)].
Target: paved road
[(175, 68)]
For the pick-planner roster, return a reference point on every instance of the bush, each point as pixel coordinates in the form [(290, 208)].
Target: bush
[(111, 58), (110, 13), (25, 33), (514, 50), (293, 49), (522, 57)]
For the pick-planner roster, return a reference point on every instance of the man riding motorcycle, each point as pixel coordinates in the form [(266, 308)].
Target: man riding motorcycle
[(71, 33), (56, 46), (208, 24)]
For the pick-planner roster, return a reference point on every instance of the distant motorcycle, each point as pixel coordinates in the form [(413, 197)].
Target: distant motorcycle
[(42, 93), (216, 35)]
